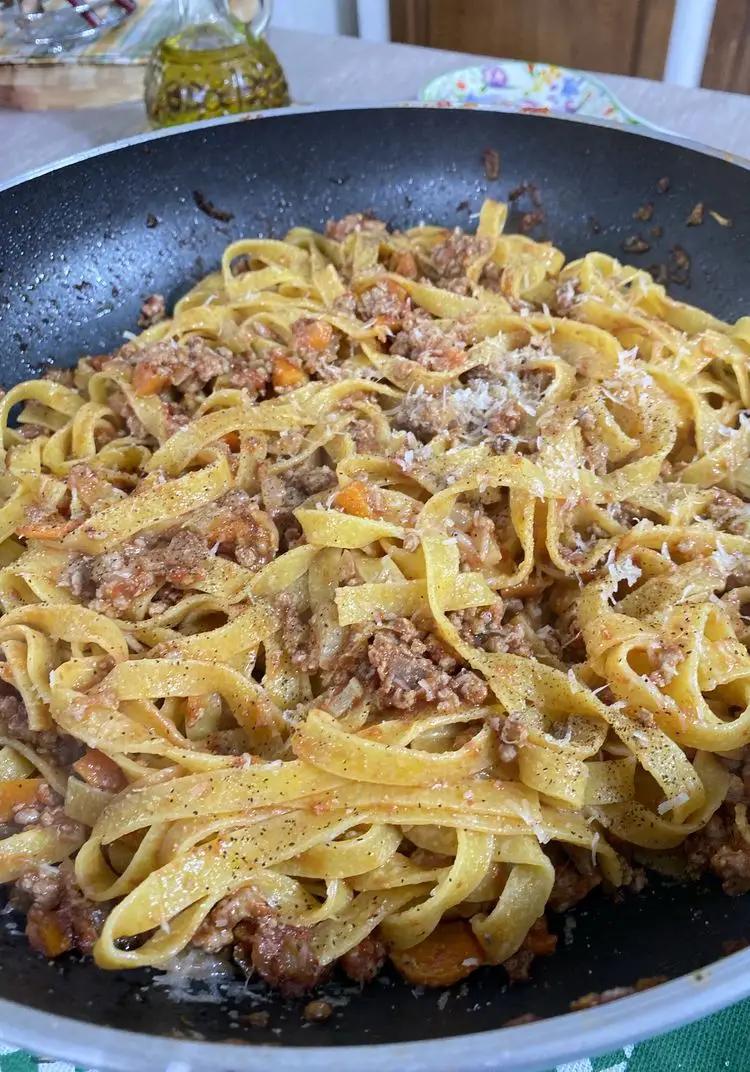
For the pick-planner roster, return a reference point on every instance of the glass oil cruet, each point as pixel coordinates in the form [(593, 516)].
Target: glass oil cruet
[(211, 64)]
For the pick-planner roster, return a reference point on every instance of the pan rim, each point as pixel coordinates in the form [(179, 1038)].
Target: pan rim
[(526, 1048), (733, 159)]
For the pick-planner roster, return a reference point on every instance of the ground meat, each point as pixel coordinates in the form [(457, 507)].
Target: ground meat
[(59, 748), (481, 626), (484, 628), (338, 230), (729, 512), (315, 344), (512, 734), (235, 526), (537, 943), (413, 667), (280, 953), (665, 658), (571, 886), (434, 345), (283, 957), (46, 810), (173, 561), (364, 962), (386, 302), (216, 931), (65, 376), (316, 643), (113, 581), (452, 256), (59, 917), (281, 493), (152, 311), (720, 847), (189, 365)]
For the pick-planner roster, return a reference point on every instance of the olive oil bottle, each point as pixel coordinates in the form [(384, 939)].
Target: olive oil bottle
[(212, 64)]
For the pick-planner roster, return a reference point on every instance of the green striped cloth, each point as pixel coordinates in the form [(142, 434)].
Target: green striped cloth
[(716, 1044)]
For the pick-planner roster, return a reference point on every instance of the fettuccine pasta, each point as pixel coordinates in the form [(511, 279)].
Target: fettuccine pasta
[(388, 594)]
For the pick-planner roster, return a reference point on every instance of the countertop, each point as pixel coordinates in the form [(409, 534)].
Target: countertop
[(346, 70)]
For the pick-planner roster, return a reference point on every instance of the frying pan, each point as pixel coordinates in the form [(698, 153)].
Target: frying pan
[(80, 247)]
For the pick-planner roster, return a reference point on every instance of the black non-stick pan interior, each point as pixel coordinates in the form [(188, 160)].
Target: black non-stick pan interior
[(82, 246)]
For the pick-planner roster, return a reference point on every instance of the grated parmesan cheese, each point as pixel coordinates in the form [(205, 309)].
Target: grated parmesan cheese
[(623, 569)]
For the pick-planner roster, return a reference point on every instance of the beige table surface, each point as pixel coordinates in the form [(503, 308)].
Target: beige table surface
[(345, 70)]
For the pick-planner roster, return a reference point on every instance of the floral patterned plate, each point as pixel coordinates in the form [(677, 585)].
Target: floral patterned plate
[(536, 88)]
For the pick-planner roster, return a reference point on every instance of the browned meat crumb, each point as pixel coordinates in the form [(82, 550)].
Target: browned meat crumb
[(188, 366), (679, 266), (364, 962), (537, 943), (431, 344), (452, 256), (46, 810), (283, 956), (696, 215), (729, 512), (59, 917), (413, 667), (315, 343), (530, 220), (216, 932), (317, 1012), (338, 230), (511, 733), (152, 311), (644, 212), (491, 164), (636, 244), (571, 886), (665, 658), (210, 209), (113, 581), (61, 749), (529, 189), (720, 847), (386, 302)]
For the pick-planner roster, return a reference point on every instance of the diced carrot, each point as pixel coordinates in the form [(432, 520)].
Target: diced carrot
[(450, 953), (14, 792), (148, 380), (53, 527), (285, 374), (47, 933), (354, 499), (99, 770), (232, 440), (317, 334), (405, 264)]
